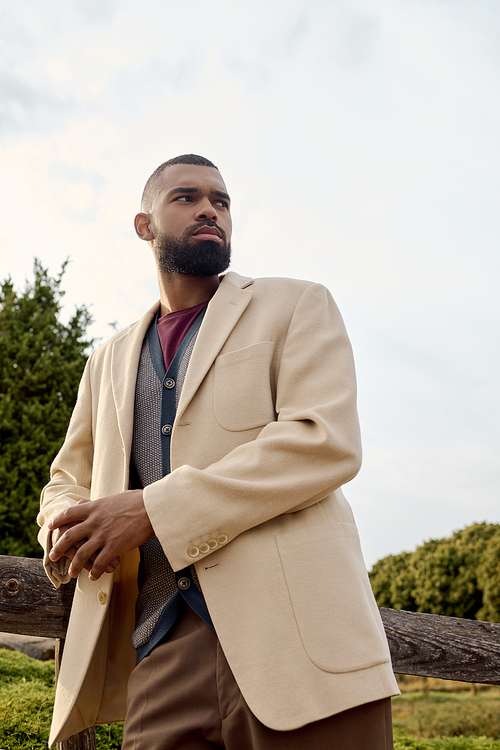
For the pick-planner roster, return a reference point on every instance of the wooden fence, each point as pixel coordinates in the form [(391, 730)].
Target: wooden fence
[(420, 644)]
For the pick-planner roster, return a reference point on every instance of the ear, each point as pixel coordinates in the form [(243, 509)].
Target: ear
[(142, 223)]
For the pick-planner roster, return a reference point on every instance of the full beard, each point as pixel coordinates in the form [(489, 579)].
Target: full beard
[(192, 257)]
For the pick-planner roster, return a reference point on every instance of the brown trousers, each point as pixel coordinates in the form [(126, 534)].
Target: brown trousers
[(184, 696)]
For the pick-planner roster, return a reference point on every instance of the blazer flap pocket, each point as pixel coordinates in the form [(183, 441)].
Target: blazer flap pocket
[(243, 396), (331, 597)]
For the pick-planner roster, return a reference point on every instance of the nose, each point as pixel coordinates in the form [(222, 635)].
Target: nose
[(206, 210)]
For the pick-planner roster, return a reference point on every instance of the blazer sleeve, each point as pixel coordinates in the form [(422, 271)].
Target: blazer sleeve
[(309, 451), (71, 473)]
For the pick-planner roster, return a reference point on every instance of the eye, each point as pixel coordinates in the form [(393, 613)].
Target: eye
[(186, 198), (222, 203)]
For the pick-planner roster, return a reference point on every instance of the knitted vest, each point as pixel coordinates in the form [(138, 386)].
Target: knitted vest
[(162, 593)]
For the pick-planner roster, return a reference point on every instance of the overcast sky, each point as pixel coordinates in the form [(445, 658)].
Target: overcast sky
[(359, 140)]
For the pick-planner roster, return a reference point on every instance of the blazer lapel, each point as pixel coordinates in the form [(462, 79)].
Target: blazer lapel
[(223, 312), (124, 364)]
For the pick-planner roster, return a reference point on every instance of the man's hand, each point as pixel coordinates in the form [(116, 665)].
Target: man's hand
[(71, 552), (96, 533)]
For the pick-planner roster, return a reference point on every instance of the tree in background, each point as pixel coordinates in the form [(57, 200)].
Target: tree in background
[(393, 581), (488, 576), (458, 576), (41, 363)]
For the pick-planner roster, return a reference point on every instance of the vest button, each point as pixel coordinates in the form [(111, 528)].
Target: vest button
[(184, 583), (169, 382), (101, 597), (166, 429)]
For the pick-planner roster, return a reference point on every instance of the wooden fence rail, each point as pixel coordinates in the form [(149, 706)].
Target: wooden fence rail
[(429, 645)]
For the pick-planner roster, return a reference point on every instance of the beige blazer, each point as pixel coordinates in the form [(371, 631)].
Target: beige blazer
[(266, 433)]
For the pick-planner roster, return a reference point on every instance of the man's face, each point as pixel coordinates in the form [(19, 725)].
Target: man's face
[(191, 221)]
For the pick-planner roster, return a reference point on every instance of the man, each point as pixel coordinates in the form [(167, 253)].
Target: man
[(213, 437)]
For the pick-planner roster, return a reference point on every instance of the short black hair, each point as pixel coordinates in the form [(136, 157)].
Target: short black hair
[(151, 187)]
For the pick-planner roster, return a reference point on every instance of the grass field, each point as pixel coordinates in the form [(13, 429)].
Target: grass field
[(427, 716), (26, 700)]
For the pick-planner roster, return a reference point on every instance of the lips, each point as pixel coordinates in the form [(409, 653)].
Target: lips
[(207, 232)]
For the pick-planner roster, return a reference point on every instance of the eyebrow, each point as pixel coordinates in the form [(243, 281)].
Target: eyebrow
[(218, 193)]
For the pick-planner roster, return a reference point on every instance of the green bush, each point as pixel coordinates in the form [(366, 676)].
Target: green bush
[(109, 736), (26, 703), (458, 576)]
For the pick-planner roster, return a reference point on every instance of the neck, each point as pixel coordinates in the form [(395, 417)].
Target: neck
[(179, 291)]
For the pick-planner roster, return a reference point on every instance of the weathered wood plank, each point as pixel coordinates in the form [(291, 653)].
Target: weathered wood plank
[(29, 604), (450, 648), (429, 645)]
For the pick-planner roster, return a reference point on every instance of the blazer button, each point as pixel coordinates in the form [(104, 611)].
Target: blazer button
[(204, 548), (166, 429), (221, 539), (184, 583), (169, 382), (212, 543), (101, 597), (193, 551)]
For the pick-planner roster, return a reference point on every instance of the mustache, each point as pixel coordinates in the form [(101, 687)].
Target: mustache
[(206, 223)]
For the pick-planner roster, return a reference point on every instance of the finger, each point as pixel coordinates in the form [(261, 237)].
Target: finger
[(57, 533), (72, 515), (110, 568), (113, 565), (75, 536), (90, 562), (83, 556), (101, 565), (71, 552), (88, 565)]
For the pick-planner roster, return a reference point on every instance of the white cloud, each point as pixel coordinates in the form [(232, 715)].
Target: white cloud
[(358, 140)]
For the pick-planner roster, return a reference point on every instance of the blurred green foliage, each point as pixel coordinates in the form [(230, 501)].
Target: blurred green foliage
[(26, 703), (448, 714), (26, 700), (41, 363), (458, 576), (421, 720), (403, 741)]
